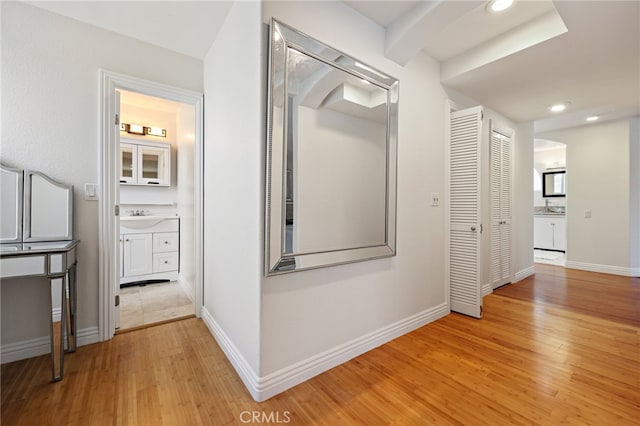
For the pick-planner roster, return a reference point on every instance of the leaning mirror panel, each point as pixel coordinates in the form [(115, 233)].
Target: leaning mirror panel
[(331, 159)]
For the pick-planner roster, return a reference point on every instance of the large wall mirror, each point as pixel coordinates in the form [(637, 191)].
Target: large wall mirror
[(331, 157)]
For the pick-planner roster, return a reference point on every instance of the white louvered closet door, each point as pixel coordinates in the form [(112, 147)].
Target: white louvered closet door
[(501, 149), (464, 212)]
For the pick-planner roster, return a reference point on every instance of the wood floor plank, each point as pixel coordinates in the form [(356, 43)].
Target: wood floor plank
[(541, 355)]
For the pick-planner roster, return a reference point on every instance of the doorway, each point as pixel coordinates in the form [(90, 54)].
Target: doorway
[(549, 207), (155, 184), (150, 204)]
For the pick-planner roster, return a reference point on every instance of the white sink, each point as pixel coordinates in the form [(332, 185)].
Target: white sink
[(139, 222)]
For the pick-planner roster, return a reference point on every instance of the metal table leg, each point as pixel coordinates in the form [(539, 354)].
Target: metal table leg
[(57, 294), (70, 308)]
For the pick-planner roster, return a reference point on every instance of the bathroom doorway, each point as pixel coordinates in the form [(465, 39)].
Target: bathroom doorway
[(150, 203), (155, 184), (550, 202)]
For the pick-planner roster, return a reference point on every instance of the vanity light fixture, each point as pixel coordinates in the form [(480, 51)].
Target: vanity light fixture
[(138, 129), (496, 6), (593, 118), (558, 107), (135, 129), (155, 131)]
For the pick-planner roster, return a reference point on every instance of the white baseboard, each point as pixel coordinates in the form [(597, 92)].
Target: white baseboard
[(186, 287), (42, 345), (605, 269), (521, 275), (242, 367), (487, 289), (262, 388)]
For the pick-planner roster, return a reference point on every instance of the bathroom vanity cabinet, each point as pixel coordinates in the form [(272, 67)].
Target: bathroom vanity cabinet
[(150, 253), (136, 254), (550, 232), (145, 163)]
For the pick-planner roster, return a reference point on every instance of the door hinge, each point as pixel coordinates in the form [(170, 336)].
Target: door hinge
[(117, 210), (117, 300), (117, 121), (481, 114)]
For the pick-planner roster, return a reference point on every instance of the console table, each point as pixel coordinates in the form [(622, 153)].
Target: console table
[(56, 261)]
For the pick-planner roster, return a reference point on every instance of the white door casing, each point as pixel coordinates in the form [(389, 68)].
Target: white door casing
[(464, 212), (118, 245), (109, 239)]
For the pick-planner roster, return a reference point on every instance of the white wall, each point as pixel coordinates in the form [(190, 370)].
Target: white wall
[(309, 315), (522, 220), (599, 170), (280, 330), (185, 174), (50, 102), (233, 169), (634, 189)]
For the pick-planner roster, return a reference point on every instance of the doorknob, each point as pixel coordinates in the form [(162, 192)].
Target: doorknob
[(473, 228)]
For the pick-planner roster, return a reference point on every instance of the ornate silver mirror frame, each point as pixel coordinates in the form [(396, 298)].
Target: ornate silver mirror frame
[(331, 156)]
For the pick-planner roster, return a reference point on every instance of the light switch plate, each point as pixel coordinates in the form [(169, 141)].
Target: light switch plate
[(91, 191), (435, 199), (587, 214)]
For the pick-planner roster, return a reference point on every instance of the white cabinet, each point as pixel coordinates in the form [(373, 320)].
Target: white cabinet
[(165, 251), (128, 163), (137, 254), (151, 253), (145, 163), (550, 233), (560, 234)]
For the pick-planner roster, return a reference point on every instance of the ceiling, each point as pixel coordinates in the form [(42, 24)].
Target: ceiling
[(143, 101), (518, 62), (187, 27), (593, 62)]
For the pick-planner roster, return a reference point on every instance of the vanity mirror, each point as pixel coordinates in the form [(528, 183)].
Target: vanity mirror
[(48, 208), (331, 157), (11, 205)]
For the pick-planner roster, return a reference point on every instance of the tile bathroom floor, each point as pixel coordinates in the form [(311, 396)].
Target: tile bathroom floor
[(549, 257), (152, 303)]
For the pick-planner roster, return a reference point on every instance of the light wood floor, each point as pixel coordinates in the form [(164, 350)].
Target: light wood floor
[(526, 362)]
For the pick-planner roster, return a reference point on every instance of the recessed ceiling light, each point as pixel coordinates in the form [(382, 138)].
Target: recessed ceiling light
[(558, 107), (499, 5), (592, 118)]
